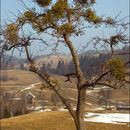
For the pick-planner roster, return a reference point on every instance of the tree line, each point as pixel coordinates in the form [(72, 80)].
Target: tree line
[(86, 62)]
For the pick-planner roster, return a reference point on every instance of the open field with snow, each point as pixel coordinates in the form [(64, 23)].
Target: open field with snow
[(96, 117), (61, 120)]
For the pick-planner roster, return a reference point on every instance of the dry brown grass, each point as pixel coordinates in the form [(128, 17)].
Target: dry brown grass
[(22, 78), (57, 120), (25, 78)]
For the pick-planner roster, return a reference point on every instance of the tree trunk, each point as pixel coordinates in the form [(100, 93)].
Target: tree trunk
[(79, 115), (80, 109), (75, 59), (79, 123)]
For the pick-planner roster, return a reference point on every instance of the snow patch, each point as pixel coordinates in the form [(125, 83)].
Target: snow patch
[(47, 110), (97, 108), (88, 103), (31, 86), (113, 118), (62, 109)]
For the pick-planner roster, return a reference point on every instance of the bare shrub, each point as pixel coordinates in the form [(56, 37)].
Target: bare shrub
[(4, 77)]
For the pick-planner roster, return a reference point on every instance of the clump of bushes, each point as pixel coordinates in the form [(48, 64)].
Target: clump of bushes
[(4, 77)]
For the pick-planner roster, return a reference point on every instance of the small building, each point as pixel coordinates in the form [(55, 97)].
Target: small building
[(30, 98)]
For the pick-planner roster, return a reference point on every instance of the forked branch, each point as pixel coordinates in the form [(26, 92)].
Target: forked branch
[(48, 81)]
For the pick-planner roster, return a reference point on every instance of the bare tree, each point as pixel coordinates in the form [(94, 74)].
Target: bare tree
[(105, 97), (54, 98), (63, 19)]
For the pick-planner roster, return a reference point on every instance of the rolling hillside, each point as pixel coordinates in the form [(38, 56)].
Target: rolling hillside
[(18, 78), (52, 60), (53, 120), (56, 120), (22, 79)]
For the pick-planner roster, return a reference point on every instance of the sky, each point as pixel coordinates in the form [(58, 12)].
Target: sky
[(9, 8), (107, 7)]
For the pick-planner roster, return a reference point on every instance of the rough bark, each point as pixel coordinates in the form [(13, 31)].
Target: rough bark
[(79, 117), (80, 109), (74, 54)]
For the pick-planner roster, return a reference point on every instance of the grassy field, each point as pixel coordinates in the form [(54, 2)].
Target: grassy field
[(24, 78), (19, 78), (56, 120)]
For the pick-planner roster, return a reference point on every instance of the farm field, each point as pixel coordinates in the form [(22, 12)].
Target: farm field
[(56, 120), (60, 120), (18, 80)]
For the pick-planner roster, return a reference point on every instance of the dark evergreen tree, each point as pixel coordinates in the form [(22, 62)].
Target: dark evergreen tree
[(21, 66), (43, 68), (6, 113)]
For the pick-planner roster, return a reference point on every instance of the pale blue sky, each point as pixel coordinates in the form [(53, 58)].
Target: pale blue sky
[(107, 7), (103, 7)]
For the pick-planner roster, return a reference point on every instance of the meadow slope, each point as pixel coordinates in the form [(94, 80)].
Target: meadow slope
[(54, 120)]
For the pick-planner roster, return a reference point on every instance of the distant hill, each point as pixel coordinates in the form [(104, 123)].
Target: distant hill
[(10, 62), (52, 60)]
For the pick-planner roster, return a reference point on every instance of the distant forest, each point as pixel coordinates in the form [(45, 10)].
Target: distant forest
[(87, 63)]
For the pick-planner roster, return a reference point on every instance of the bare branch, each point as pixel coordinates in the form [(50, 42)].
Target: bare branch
[(68, 76), (107, 84), (100, 77), (127, 81), (48, 81)]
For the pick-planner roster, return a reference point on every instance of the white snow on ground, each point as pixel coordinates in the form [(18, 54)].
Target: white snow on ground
[(62, 109), (88, 103), (96, 89), (73, 99), (40, 107), (40, 111), (43, 110), (99, 88), (31, 86), (97, 108), (114, 118), (37, 108), (90, 91), (47, 110)]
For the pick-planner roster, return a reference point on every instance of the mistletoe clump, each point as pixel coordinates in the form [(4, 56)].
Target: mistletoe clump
[(11, 33), (59, 8), (65, 28), (92, 17), (110, 21), (117, 68), (43, 3), (86, 2), (30, 16), (113, 40)]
